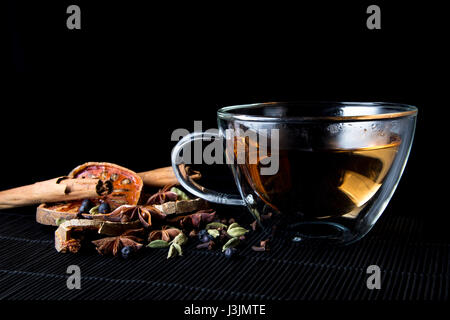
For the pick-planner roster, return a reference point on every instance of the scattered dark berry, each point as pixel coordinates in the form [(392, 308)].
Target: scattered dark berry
[(229, 252), (202, 233), (205, 238), (104, 208), (126, 252), (86, 205)]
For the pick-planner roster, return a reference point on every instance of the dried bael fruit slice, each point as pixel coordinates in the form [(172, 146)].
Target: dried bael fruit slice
[(126, 187), (126, 184)]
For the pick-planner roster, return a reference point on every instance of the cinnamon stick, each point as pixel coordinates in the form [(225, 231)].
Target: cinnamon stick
[(64, 189), (53, 190), (164, 176)]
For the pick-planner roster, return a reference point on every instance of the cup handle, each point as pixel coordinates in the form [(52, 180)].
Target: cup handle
[(189, 184)]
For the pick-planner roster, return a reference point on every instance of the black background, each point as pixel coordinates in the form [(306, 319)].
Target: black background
[(116, 89)]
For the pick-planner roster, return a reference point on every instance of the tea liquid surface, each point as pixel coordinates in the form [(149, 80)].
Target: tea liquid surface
[(323, 183)]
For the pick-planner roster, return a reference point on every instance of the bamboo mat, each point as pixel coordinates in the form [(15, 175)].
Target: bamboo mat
[(414, 267)]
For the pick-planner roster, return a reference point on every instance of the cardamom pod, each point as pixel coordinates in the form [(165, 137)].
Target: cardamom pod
[(178, 248), (180, 194), (233, 242), (94, 210), (233, 225), (172, 252), (180, 239), (214, 233), (215, 225), (156, 244), (237, 232)]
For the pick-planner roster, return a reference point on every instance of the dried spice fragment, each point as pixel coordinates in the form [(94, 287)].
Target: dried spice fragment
[(70, 234), (194, 220), (182, 206), (212, 245), (203, 245), (193, 233), (263, 246)]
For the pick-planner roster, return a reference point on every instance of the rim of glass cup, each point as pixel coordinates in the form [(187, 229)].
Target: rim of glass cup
[(393, 110)]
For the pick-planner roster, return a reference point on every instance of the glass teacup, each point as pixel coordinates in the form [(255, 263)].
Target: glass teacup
[(325, 170)]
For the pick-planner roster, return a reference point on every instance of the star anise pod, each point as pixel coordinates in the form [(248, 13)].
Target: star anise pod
[(127, 213), (166, 234), (163, 195), (113, 245)]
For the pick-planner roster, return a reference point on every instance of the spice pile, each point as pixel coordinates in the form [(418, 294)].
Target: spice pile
[(228, 238), (112, 209), (136, 227)]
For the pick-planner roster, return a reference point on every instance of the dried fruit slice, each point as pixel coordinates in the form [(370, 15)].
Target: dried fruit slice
[(126, 184), (126, 188)]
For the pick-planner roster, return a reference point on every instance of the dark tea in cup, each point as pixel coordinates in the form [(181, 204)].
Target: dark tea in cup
[(334, 165), (323, 183)]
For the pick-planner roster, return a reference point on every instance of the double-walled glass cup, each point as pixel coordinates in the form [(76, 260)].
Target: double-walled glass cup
[(325, 170)]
